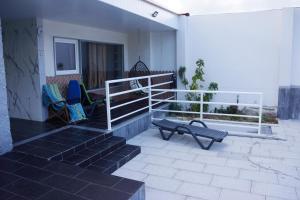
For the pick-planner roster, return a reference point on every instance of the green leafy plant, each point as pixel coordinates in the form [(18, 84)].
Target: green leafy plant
[(196, 84)]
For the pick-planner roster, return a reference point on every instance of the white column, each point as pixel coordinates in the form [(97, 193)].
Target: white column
[(5, 135)]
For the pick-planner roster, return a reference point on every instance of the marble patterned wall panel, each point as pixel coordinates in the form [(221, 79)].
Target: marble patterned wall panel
[(5, 135), (22, 69)]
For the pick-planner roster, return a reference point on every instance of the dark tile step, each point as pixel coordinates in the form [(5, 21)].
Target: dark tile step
[(94, 152), (62, 144), (115, 159)]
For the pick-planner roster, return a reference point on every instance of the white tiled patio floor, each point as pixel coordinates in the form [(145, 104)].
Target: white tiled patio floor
[(237, 169)]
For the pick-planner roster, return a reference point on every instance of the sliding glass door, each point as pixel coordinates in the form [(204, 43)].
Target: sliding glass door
[(101, 62)]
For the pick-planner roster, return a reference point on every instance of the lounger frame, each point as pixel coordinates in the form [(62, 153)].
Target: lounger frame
[(185, 130)]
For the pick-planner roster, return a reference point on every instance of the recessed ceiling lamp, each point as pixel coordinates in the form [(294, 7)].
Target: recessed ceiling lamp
[(155, 14)]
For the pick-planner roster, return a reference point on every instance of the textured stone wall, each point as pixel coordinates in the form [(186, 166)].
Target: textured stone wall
[(5, 136), (289, 102)]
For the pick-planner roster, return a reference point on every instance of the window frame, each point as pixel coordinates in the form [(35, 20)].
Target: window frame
[(77, 63)]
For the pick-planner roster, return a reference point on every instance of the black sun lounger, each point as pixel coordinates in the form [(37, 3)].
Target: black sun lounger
[(195, 131)]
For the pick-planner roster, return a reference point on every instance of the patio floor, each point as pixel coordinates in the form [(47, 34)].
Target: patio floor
[(239, 168)]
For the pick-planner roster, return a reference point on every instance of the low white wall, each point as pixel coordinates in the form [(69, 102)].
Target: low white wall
[(241, 51), (58, 29)]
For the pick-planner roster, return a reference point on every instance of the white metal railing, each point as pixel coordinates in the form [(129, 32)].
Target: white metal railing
[(149, 87), (153, 93), (224, 123)]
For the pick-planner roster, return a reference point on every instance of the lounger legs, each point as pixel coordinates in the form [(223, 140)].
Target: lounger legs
[(163, 135), (201, 144), (167, 137)]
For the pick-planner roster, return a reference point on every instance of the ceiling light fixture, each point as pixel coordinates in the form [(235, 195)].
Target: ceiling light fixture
[(155, 14)]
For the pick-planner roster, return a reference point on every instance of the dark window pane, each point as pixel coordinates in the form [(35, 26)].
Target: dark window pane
[(65, 56)]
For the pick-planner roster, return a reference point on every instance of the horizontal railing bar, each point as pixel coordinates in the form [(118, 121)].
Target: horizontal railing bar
[(176, 111), (176, 101), (129, 113), (129, 102), (137, 78), (231, 115), (161, 101), (160, 84), (208, 91), (206, 102), (229, 121), (127, 91), (231, 104), (231, 125), (160, 93)]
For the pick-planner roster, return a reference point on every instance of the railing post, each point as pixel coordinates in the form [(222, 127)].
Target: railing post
[(260, 113), (108, 111), (150, 94), (201, 106)]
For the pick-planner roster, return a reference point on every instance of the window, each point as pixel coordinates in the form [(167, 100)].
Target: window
[(66, 56), (101, 62)]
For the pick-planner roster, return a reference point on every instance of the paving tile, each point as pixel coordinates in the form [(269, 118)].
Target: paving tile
[(128, 186), (33, 173), (159, 160), (211, 160), (14, 156), (187, 165), (231, 183), (6, 178), (159, 170), (162, 183), (135, 165), (155, 194), (97, 178), (199, 191), (127, 173), (4, 195), (194, 177), (180, 155), (63, 169), (232, 195), (242, 164), (274, 190), (27, 189), (289, 181), (222, 171), (96, 192), (70, 185), (60, 195), (34, 161), (9, 165), (259, 176)]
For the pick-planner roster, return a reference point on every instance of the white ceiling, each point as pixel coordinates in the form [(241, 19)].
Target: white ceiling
[(203, 7), (84, 12)]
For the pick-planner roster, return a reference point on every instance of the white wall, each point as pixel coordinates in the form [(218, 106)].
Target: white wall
[(296, 49), (156, 49), (163, 50), (138, 46), (58, 29), (241, 51)]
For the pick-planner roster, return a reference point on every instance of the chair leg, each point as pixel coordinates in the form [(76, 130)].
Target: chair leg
[(201, 144), (164, 136)]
